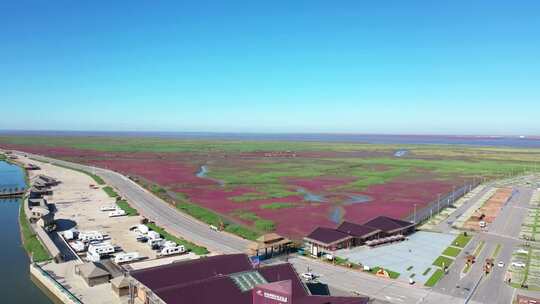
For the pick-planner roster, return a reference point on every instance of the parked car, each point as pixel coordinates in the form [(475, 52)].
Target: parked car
[(308, 276), (518, 264)]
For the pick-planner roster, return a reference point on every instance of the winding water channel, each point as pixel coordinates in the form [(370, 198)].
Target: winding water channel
[(16, 287)]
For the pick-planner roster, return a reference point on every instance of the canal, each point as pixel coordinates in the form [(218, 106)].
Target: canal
[(16, 285)]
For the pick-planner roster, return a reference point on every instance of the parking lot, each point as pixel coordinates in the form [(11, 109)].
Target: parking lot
[(78, 206), (413, 256)]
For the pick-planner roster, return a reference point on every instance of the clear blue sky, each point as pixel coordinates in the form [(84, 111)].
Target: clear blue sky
[(452, 67)]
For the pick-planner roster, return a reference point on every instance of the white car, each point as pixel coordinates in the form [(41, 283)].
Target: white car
[(518, 264), (308, 276), (500, 264)]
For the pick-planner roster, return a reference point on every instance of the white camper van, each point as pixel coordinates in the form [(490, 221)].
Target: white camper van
[(90, 236), (166, 251), (117, 213), (126, 257)]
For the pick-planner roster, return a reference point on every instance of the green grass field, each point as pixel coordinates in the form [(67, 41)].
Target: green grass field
[(30, 241), (451, 251), (441, 260), (124, 205), (391, 274), (274, 206), (435, 278), (110, 191), (461, 240)]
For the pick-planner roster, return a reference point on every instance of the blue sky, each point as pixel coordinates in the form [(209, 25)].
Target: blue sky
[(423, 67)]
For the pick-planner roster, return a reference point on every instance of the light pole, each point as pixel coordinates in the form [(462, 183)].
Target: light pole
[(439, 203), (414, 214)]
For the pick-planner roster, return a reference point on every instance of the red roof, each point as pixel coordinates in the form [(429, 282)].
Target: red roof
[(387, 224), (192, 270), (356, 230), (327, 235), (181, 283)]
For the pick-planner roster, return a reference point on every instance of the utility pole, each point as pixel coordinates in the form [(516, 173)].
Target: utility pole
[(414, 214), (439, 203)]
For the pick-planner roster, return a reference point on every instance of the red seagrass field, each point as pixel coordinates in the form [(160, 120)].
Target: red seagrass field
[(287, 187)]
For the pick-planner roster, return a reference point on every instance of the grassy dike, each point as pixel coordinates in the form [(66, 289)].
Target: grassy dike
[(29, 239)]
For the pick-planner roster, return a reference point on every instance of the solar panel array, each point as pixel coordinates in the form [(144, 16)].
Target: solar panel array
[(248, 280)]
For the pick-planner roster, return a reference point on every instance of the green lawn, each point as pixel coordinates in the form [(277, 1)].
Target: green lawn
[(496, 251), (435, 278), (392, 274), (451, 251), (110, 191), (479, 248), (242, 231), (461, 240), (443, 260), (199, 250), (212, 218), (30, 241), (124, 205), (277, 205)]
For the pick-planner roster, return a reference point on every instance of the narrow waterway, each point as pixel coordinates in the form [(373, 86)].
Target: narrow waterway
[(16, 285)]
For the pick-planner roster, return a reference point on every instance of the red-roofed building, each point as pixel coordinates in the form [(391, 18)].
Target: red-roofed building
[(224, 279), (382, 228)]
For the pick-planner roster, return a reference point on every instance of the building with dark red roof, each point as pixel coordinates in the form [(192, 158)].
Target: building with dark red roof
[(391, 226), (379, 230), (324, 239), (224, 279), (360, 233)]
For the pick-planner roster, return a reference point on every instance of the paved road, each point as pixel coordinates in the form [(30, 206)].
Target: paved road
[(504, 231), (386, 290), (162, 213)]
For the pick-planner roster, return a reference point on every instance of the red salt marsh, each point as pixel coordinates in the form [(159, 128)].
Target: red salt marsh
[(320, 184), (396, 199), (177, 171), (163, 172)]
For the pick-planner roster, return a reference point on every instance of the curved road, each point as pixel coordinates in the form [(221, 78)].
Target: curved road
[(159, 211)]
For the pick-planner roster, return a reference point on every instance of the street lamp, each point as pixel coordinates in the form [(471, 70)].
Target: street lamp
[(414, 214)]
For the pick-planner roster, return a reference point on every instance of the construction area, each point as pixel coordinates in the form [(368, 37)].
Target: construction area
[(485, 210)]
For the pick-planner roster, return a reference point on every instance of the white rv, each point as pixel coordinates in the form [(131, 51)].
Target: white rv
[(152, 235), (169, 244), (78, 246), (166, 251), (108, 208), (126, 257), (142, 229), (90, 236), (117, 213), (101, 249), (155, 243)]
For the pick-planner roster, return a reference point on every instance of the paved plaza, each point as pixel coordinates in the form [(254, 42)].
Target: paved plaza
[(419, 251)]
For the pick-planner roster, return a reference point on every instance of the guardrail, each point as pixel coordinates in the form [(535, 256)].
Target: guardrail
[(59, 287)]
